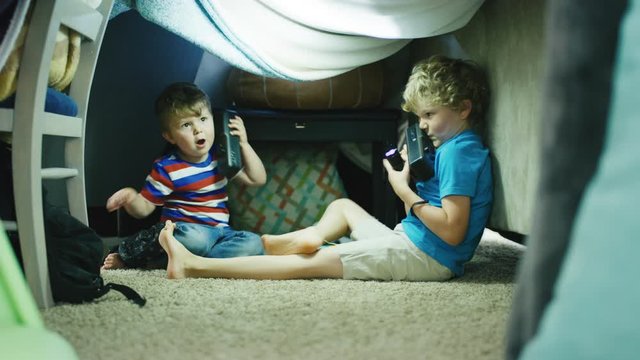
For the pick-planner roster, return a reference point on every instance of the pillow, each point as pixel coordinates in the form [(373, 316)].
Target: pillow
[(302, 180)]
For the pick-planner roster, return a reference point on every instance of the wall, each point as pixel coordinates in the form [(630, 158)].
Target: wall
[(137, 60), (211, 77), (506, 38)]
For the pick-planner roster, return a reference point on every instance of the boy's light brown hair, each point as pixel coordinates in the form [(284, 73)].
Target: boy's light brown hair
[(444, 81), (180, 100)]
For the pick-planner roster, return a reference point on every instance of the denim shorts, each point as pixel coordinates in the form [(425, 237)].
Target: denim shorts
[(143, 248), (217, 242)]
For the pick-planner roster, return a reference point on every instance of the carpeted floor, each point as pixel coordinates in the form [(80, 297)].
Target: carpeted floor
[(299, 319)]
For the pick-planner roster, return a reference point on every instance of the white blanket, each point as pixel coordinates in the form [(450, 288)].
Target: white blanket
[(305, 40), (8, 39)]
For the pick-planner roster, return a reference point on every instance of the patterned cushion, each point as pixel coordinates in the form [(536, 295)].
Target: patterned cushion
[(301, 181)]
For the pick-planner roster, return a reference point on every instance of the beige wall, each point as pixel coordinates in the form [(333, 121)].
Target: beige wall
[(506, 37)]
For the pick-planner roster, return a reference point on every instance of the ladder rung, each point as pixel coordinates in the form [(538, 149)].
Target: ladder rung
[(53, 124), (9, 225), (58, 173), (61, 125)]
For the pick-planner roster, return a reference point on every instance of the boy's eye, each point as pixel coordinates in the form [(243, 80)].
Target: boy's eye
[(185, 125), (426, 115), (204, 118)]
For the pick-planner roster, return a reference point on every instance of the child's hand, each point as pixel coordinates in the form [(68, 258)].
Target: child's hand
[(403, 153), (398, 179), (121, 198), (237, 128)]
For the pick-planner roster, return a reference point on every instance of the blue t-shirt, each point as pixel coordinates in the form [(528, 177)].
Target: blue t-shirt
[(462, 166)]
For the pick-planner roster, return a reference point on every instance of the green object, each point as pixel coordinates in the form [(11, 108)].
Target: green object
[(22, 332), (17, 306)]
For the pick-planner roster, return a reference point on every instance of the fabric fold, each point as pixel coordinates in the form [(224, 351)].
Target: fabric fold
[(297, 41)]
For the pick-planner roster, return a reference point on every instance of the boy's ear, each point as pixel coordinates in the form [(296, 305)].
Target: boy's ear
[(167, 136), (466, 109)]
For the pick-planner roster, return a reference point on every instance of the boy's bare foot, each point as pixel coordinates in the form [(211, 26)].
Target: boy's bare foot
[(113, 261), (305, 241), (176, 252)]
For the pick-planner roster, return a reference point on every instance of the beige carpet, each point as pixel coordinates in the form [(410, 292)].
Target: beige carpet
[(299, 319)]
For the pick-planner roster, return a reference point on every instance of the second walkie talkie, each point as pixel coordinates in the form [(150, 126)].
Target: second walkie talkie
[(231, 146)]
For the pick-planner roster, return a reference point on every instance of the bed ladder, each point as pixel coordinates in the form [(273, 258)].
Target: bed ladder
[(28, 123)]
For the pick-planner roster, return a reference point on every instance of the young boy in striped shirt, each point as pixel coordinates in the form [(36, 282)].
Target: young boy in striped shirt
[(188, 184)]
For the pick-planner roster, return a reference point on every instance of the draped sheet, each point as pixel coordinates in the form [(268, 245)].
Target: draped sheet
[(303, 40)]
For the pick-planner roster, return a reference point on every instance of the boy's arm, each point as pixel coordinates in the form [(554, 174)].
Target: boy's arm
[(449, 222), (253, 172), (134, 203)]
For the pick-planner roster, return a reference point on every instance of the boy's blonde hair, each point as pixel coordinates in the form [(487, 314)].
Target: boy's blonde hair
[(180, 100), (443, 81)]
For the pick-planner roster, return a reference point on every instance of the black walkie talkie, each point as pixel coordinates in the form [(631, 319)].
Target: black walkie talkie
[(416, 145), (419, 149), (231, 146), (393, 155)]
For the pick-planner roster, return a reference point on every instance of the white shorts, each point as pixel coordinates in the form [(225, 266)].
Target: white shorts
[(379, 253)]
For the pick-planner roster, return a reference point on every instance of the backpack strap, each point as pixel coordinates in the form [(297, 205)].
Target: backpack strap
[(128, 292)]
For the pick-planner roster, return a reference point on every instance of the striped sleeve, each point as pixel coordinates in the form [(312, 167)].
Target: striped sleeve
[(158, 185)]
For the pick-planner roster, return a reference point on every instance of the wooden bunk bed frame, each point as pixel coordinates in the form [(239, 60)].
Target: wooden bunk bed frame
[(28, 123)]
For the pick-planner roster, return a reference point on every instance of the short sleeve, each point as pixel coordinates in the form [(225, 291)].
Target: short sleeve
[(157, 185), (458, 167)]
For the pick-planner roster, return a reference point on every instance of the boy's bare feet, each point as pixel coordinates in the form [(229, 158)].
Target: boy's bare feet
[(176, 252), (305, 241), (113, 261)]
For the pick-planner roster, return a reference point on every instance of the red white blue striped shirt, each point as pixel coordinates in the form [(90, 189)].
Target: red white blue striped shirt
[(188, 192)]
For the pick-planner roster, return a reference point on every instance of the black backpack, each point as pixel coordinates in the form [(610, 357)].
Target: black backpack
[(74, 253)]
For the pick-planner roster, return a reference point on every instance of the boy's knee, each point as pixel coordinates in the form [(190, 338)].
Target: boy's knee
[(252, 244), (345, 206), (342, 203), (242, 243), (194, 237)]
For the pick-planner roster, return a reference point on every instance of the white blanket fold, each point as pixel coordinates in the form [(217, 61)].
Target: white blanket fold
[(305, 40)]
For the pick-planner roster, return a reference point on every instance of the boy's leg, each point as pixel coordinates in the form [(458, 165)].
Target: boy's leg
[(234, 243), (199, 239), (338, 220), (139, 249), (143, 249), (322, 264), (113, 261)]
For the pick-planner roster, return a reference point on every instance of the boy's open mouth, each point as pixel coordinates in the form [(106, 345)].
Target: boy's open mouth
[(201, 142)]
